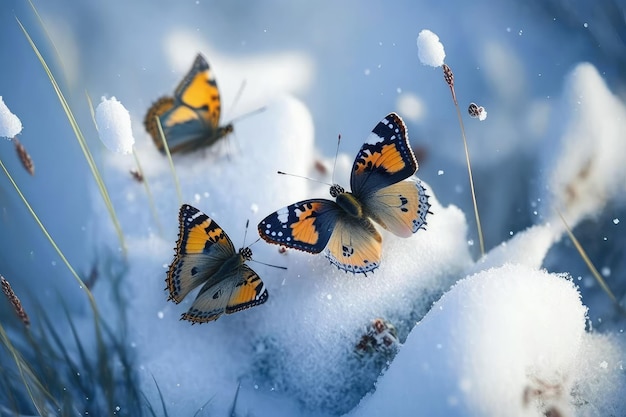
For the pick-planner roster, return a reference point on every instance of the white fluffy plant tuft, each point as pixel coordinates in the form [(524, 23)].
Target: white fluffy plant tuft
[(10, 124), (114, 127)]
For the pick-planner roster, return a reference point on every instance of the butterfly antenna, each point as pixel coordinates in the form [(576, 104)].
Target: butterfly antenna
[(239, 94), (245, 233), (302, 176), (332, 177), (263, 263), (236, 101), (273, 266), (250, 113)]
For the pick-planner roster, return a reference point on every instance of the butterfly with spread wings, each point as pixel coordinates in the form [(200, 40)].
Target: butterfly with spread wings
[(206, 255), (190, 119), (381, 191)]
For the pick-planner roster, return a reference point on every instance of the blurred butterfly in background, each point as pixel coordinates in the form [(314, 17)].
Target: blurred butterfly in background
[(190, 119), (379, 192), (206, 255)]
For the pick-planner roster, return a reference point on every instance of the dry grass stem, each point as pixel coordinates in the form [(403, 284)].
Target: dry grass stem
[(448, 76)]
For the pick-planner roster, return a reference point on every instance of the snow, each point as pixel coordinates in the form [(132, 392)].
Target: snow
[(430, 49), (114, 127), (276, 353), (489, 345), (585, 166), (10, 124)]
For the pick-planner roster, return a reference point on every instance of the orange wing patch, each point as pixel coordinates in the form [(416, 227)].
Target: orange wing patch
[(304, 229), (250, 292), (199, 234), (180, 115), (388, 157), (202, 95), (158, 109)]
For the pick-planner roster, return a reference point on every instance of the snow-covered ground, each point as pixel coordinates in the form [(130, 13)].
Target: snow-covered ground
[(524, 330)]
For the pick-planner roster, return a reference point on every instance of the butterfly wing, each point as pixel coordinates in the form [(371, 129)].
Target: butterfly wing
[(355, 245), (202, 248), (400, 208), (249, 291), (306, 226), (385, 158), (237, 289), (191, 119)]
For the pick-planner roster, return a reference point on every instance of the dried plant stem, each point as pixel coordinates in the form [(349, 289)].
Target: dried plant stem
[(449, 78), (169, 158), (590, 265), (81, 140), (148, 192)]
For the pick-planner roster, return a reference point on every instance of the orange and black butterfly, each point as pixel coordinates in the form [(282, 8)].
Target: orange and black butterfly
[(206, 256), (384, 189), (190, 119)]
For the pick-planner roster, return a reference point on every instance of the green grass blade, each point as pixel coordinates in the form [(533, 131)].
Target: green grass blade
[(81, 140), (165, 414), (169, 158), (148, 193), (26, 375)]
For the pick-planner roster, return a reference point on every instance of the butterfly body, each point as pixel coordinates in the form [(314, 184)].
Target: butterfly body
[(189, 119), (206, 256), (380, 192)]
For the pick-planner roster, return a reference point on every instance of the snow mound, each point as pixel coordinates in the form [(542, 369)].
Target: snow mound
[(302, 344), (585, 165), (507, 341)]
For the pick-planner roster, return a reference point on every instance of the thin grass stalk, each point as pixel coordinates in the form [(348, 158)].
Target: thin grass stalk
[(53, 337), (45, 30), (92, 301), (26, 374), (169, 158), (148, 193), (81, 140), (92, 110), (161, 397), (449, 78), (50, 239), (139, 169), (234, 404), (590, 265), (471, 181)]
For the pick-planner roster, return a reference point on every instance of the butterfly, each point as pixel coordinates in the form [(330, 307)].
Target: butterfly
[(380, 192), (190, 119), (206, 255)]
